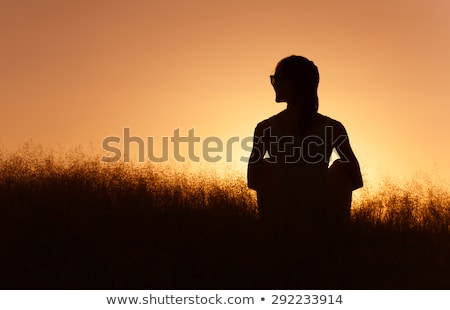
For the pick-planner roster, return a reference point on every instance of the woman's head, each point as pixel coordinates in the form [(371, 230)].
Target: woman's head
[(296, 77)]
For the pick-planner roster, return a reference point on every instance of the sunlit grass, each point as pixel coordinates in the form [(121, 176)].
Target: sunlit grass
[(67, 220), (420, 204)]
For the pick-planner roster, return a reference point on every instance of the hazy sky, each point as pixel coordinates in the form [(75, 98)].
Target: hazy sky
[(75, 72)]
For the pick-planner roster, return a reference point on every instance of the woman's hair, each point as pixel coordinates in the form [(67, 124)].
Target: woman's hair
[(304, 75)]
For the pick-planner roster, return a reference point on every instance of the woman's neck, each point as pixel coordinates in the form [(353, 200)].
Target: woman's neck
[(294, 107)]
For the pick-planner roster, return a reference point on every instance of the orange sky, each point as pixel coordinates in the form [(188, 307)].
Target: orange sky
[(74, 72)]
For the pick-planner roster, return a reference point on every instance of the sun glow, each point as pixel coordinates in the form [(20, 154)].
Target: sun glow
[(83, 73)]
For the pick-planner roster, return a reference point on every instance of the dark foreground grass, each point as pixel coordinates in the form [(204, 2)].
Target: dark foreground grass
[(78, 223)]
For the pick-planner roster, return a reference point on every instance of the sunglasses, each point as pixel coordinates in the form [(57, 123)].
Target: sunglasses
[(275, 78)]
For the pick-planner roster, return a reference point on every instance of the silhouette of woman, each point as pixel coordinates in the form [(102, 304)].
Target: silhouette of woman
[(289, 163)]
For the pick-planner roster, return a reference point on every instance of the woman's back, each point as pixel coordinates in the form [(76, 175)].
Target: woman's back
[(294, 186)]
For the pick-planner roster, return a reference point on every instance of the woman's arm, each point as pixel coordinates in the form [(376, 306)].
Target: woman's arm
[(257, 165), (348, 158)]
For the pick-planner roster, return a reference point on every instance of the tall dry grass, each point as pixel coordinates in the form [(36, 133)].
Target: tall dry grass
[(420, 204), (69, 221)]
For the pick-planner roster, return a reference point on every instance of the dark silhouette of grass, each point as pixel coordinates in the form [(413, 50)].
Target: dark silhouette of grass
[(72, 222)]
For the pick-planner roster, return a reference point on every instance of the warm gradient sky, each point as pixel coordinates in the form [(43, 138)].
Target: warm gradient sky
[(74, 72)]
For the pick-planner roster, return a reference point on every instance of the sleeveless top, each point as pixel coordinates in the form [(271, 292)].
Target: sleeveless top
[(295, 185), (299, 160)]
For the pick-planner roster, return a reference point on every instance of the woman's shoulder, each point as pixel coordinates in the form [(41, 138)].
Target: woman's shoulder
[(328, 121), (271, 120)]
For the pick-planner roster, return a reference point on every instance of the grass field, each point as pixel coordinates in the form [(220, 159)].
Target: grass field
[(72, 222)]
